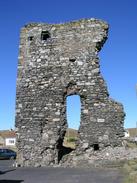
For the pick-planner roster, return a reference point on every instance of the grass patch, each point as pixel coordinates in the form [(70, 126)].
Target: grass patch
[(130, 170), (70, 142), (70, 138), (131, 145)]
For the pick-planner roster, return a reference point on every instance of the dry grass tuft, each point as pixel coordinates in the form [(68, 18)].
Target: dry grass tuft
[(130, 170)]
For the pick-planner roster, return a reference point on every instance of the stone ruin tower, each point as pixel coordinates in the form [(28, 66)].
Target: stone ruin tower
[(55, 61)]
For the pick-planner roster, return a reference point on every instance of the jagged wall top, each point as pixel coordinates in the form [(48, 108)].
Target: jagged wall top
[(96, 29)]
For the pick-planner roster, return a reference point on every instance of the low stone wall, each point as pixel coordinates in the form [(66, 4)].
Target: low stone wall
[(109, 157)]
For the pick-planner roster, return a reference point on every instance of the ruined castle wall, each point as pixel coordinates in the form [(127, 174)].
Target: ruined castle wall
[(55, 61)]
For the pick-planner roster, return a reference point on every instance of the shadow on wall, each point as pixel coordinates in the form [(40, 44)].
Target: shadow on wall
[(64, 151)]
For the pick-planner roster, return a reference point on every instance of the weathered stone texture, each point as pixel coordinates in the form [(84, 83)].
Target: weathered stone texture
[(55, 61)]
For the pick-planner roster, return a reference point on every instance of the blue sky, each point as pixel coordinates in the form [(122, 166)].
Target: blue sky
[(118, 57)]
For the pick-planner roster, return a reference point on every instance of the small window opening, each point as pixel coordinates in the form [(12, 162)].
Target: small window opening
[(45, 35), (96, 147), (30, 38), (72, 59)]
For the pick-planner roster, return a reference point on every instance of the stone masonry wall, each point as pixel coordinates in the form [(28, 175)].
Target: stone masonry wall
[(55, 61)]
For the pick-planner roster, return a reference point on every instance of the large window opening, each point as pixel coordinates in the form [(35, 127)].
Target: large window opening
[(73, 105), (73, 114)]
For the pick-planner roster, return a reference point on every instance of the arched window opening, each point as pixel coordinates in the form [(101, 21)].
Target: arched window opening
[(73, 113), (73, 105)]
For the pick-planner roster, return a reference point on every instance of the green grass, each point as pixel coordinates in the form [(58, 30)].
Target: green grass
[(130, 170), (70, 138), (131, 145), (70, 142)]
